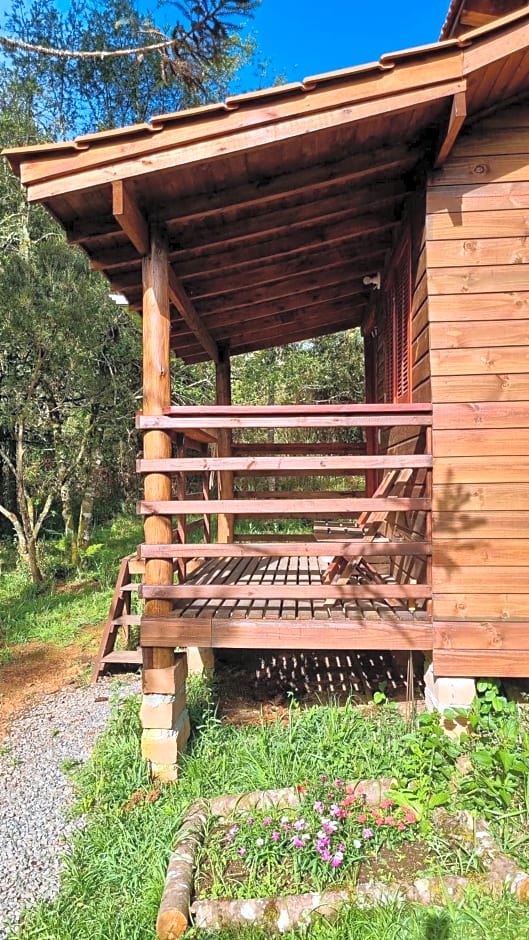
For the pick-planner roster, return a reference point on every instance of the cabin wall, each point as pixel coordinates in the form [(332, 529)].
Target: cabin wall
[(478, 306)]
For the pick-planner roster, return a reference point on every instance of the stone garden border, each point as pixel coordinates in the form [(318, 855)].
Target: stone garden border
[(280, 914)]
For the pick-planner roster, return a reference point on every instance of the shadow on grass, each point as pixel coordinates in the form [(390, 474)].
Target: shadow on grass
[(438, 926)]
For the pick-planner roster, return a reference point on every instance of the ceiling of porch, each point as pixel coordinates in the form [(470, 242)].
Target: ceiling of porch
[(276, 204)]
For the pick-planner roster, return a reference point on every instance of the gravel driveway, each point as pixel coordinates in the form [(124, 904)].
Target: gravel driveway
[(35, 794)]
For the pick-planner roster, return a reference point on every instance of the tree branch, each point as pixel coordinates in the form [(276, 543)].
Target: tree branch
[(42, 515), (18, 45)]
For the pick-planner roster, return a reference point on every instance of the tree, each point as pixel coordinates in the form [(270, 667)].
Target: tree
[(80, 89), (70, 360), (321, 370)]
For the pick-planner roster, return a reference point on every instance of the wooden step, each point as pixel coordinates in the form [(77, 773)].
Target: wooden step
[(127, 620), (124, 657)]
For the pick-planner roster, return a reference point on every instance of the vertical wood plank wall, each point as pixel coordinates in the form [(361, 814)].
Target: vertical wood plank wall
[(477, 253)]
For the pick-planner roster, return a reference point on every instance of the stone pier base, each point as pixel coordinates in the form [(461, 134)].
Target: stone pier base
[(200, 660), (164, 718), (442, 693)]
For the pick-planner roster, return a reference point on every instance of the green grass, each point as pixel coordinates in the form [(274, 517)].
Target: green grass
[(57, 610), (115, 872)]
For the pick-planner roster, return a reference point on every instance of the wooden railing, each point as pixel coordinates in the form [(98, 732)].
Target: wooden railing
[(406, 547)]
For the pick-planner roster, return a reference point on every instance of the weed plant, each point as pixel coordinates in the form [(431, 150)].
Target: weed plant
[(115, 868)]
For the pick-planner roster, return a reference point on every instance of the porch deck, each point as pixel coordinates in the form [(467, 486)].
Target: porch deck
[(282, 602)]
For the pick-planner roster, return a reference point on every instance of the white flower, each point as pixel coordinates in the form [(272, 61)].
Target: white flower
[(259, 841), (357, 844)]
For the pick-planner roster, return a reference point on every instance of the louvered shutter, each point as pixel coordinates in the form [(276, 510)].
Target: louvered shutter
[(401, 323), (397, 313)]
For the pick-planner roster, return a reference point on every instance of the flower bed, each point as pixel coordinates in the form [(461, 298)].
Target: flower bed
[(319, 842), (250, 858)]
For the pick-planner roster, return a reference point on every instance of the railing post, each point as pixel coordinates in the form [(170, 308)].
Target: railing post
[(223, 396), (163, 713)]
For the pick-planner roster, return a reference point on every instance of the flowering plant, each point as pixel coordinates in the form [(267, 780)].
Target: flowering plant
[(324, 839)]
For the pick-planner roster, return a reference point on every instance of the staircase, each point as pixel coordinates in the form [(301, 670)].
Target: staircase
[(119, 621)]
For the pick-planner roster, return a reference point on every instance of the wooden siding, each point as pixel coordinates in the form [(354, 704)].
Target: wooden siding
[(477, 224)]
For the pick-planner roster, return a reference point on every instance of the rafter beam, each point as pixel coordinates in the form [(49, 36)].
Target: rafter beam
[(325, 177), (188, 313), (129, 217), (456, 120), (279, 322)]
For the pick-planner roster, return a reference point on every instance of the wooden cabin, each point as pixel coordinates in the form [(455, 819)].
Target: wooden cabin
[(394, 198)]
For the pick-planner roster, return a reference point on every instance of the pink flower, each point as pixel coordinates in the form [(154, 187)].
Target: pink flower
[(338, 783), (326, 855), (386, 804), (323, 778), (367, 833), (410, 817), (242, 851), (361, 818), (379, 821), (335, 810), (389, 821), (299, 824), (318, 806), (297, 842), (337, 860), (267, 821), (275, 835), (401, 827)]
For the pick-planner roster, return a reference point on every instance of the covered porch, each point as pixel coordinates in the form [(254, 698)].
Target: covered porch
[(277, 217)]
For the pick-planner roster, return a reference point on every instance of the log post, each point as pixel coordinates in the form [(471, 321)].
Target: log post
[(202, 658), (372, 477), (223, 397), (164, 716)]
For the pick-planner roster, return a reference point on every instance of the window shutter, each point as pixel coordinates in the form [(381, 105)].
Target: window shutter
[(401, 323), (398, 301)]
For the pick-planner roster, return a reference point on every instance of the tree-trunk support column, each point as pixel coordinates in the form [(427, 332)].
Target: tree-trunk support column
[(223, 389), (202, 659), (164, 715)]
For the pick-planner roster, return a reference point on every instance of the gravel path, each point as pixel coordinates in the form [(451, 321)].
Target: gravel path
[(35, 794)]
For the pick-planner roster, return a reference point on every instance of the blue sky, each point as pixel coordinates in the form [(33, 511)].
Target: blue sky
[(306, 37)]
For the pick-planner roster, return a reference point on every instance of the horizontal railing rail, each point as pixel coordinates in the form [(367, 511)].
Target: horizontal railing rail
[(398, 517)]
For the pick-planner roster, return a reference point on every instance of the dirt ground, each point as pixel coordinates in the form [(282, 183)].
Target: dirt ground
[(252, 685), (33, 670)]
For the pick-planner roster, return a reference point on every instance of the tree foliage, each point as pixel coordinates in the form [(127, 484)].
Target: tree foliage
[(70, 359), (81, 91)]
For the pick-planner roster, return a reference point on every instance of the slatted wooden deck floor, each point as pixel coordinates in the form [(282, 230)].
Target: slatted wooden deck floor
[(278, 571), (278, 623)]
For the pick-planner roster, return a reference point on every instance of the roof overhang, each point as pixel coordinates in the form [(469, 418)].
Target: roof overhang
[(277, 204)]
